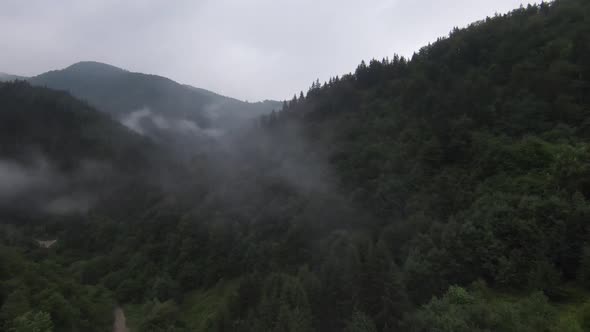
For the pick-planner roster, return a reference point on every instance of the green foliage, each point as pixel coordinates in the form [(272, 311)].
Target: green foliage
[(43, 295), (584, 272), (283, 306), (361, 323), (569, 325), (459, 310), (162, 317), (584, 316), (33, 322), (203, 308), (14, 305)]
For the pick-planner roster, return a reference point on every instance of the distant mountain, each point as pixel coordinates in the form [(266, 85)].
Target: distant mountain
[(122, 93), (4, 77)]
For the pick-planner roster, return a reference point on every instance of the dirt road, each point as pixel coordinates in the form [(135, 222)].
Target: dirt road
[(120, 324)]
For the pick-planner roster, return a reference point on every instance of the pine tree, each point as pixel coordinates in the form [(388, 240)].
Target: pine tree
[(33, 322), (584, 271), (360, 322)]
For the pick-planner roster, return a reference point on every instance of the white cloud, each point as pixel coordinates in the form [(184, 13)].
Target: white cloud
[(137, 120), (16, 179)]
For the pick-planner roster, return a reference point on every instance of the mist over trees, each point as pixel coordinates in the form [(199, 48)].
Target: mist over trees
[(448, 191)]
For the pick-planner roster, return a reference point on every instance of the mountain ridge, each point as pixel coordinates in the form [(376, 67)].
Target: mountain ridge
[(10, 77), (121, 93)]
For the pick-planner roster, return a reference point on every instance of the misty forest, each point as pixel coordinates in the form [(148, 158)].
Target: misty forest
[(447, 191)]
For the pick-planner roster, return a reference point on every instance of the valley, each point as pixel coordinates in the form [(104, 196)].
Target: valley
[(447, 191)]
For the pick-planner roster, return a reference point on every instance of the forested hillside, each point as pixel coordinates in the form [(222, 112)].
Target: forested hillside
[(63, 129), (449, 191), (59, 158)]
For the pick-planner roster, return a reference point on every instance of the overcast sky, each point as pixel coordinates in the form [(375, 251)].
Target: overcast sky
[(248, 49)]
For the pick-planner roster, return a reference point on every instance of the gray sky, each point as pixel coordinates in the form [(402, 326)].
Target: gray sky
[(248, 49)]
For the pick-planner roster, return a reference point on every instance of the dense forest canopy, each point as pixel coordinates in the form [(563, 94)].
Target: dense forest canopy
[(449, 191)]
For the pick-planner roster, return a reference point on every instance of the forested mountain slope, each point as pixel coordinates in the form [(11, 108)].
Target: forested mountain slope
[(60, 155), (446, 192), (63, 129), (474, 154), (59, 158)]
